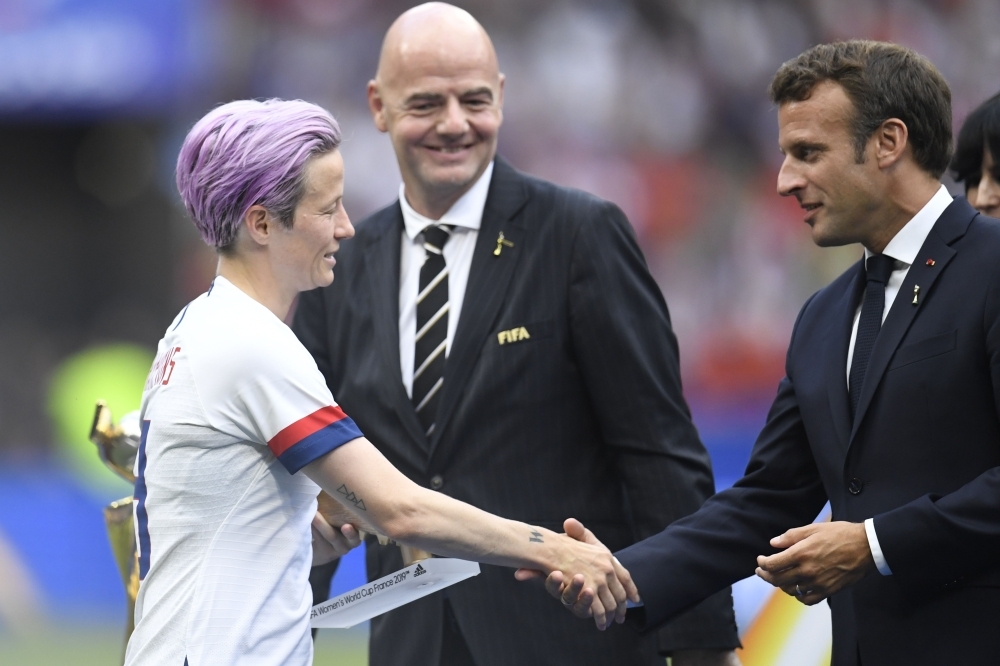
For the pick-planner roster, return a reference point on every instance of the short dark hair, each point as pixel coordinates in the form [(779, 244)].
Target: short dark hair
[(981, 129), (883, 81)]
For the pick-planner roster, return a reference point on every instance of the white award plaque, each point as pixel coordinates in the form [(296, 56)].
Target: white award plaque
[(395, 590)]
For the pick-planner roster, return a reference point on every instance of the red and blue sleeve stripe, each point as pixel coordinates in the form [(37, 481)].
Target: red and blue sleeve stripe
[(312, 437)]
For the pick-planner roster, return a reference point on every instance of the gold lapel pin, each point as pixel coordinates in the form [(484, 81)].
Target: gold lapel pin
[(501, 241), (930, 262), (916, 293)]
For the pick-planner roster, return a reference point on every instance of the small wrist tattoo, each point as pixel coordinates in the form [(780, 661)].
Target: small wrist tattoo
[(536, 537), (351, 497)]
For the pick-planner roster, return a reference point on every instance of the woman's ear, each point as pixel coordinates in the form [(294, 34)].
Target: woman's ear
[(259, 224)]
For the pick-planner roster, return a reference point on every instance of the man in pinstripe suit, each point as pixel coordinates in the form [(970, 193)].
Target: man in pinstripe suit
[(501, 340)]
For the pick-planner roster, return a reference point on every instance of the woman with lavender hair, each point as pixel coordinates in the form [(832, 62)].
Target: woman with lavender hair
[(239, 431)]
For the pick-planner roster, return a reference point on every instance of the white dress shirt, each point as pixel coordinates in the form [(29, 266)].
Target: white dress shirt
[(465, 215), (903, 247)]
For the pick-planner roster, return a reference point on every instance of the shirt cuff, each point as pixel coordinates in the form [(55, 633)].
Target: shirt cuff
[(880, 563)]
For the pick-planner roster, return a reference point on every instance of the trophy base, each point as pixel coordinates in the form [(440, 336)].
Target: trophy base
[(392, 591)]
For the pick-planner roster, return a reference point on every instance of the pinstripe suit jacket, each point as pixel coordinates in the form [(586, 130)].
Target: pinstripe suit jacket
[(580, 414)]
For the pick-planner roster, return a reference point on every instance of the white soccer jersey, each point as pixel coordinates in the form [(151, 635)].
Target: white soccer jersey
[(234, 406)]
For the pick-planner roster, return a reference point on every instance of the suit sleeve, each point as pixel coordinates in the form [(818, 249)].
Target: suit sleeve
[(628, 357), (937, 541), (309, 325), (718, 545)]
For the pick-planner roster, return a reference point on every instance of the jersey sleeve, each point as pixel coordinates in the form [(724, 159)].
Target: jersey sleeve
[(273, 394), (312, 436)]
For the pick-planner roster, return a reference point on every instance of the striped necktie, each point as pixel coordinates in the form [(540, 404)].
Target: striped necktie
[(432, 327)]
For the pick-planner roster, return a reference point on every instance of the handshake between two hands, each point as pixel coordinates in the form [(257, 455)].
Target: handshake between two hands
[(601, 593), (815, 562), (600, 589), (605, 600)]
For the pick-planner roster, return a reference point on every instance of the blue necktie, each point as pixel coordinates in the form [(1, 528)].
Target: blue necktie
[(878, 268)]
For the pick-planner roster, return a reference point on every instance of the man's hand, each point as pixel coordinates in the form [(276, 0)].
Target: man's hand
[(577, 595), (818, 560), (330, 542), (577, 599)]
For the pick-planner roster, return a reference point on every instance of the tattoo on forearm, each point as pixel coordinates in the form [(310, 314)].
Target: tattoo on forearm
[(351, 497), (536, 537)]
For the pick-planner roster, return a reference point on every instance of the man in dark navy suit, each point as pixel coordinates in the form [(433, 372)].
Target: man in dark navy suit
[(500, 339), (889, 407)]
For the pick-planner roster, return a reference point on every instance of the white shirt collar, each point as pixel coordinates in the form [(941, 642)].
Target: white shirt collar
[(907, 242), (466, 212)]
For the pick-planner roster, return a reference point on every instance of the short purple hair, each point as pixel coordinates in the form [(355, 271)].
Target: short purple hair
[(248, 153)]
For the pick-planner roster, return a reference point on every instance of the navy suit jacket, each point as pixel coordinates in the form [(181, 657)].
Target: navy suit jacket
[(922, 457), (584, 418)]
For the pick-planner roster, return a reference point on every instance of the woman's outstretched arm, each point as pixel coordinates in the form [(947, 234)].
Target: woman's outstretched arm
[(367, 484)]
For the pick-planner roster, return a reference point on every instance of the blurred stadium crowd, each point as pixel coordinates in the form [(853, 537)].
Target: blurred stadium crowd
[(657, 105)]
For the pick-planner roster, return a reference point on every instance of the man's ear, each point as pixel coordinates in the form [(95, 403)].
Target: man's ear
[(259, 224), (377, 106), (500, 96), (892, 139)]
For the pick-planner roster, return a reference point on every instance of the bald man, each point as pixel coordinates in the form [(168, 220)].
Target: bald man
[(500, 339)]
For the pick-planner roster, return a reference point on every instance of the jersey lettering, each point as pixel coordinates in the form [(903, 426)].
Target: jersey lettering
[(163, 368)]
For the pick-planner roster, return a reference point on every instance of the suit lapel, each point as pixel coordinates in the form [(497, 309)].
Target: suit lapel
[(489, 276), (382, 257), (836, 370), (950, 226)]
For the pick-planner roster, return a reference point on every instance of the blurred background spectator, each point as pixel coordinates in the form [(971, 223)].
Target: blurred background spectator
[(657, 105)]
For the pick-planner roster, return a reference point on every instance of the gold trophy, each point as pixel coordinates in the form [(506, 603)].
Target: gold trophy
[(117, 445)]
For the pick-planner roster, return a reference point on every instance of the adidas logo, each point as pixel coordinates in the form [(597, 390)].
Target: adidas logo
[(420, 571)]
